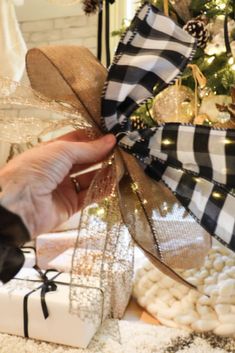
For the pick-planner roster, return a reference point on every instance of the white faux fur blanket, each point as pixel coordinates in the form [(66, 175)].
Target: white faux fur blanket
[(128, 337)]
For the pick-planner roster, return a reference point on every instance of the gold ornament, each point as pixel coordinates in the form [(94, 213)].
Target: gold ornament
[(174, 104)]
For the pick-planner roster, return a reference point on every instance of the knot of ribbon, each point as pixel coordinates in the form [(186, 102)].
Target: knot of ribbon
[(48, 285)]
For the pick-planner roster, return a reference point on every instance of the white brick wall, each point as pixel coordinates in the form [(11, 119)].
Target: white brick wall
[(77, 30)]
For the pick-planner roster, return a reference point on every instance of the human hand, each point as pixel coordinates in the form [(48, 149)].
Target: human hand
[(36, 184)]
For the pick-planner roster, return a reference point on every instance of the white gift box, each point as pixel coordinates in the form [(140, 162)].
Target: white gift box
[(30, 256), (50, 245), (120, 293), (22, 314)]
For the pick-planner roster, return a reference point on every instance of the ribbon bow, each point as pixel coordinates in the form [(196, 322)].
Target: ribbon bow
[(48, 285), (189, 165)]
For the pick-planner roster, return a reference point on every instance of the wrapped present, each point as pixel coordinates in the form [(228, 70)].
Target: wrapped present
[(50, 245), (37, 306), (94, 261), (29, 255), (70, 224)]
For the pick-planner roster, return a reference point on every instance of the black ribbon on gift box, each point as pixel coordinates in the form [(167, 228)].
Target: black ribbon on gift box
[(46, 285)]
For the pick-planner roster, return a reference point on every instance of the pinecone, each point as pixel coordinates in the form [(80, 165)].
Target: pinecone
[(137, 123), (90, 6), (198, 30)]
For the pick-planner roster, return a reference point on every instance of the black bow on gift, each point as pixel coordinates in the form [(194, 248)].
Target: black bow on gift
[(47, 285)]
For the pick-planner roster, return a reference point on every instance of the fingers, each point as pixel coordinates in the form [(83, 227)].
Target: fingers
[(90, 152), (81, 135)]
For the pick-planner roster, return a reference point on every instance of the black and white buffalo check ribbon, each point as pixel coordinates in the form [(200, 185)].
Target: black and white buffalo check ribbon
[(196, 162)]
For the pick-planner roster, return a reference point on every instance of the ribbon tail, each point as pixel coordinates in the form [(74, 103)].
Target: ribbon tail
[(210, 204), (43, 303), (146, 231), (142, 242)]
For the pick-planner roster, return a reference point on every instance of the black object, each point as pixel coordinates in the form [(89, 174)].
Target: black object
[(13, 234), (47, 285), (107, 30)]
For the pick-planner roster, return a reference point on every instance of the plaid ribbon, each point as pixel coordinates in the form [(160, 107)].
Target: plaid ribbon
[(195, 162)]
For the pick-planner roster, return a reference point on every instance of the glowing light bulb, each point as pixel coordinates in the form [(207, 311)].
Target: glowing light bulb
[(134, 186), (216, 195), (166, 142), (127, 22), (100, 212), (221, 6), (211, 59), (198, 180)]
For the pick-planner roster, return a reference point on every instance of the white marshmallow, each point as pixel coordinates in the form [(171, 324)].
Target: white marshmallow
[(227, 318), (204, 325), (225, 329), (218, 264), (223, 309), (227, 287)]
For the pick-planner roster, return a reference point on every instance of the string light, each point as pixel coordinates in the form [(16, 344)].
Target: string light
[(221, 6), (167, 142), (134, 186), (216, 195), (211, 59), (198, 180), (126, 22), (228, 141), (100, 211)]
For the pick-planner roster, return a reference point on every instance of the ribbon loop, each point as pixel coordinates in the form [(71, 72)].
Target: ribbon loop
[(47, 286)]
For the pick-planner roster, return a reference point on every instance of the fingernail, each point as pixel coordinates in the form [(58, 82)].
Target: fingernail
[(109, 139)]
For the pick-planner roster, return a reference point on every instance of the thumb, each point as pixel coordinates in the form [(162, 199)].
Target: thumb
[(93, 151)]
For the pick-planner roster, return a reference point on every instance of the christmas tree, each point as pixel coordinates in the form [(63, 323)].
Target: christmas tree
[(212, 23)]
